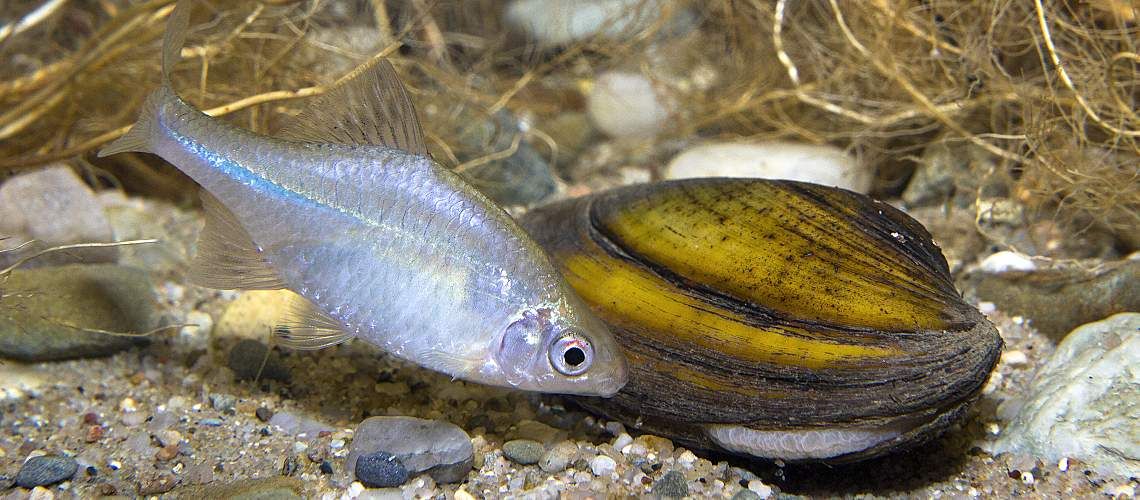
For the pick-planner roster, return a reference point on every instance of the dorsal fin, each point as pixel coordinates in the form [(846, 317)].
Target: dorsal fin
[(368, 107), (227, 257)]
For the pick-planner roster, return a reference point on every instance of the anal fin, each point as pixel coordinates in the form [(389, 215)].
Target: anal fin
[(227, 257), (308, 328)]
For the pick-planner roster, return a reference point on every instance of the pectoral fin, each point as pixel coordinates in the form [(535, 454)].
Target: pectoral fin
[(227, 257), (308, 328), (368, 107)]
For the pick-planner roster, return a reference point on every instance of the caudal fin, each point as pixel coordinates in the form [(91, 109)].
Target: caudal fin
[(138, 138)]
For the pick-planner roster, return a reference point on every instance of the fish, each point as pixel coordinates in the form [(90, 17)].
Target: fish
[(346, 208)]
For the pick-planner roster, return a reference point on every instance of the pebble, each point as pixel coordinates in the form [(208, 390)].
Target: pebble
[(1007, 261), (558, 457), (536, 431), (380, 470), (297, 424), (523, 451), (759, 488), (687, 459), (602, 466), (253, 314), (521, 179), (441, 449), (671, 485), (1083, 402), (824, 165), (562, 22), (622, 440), (276, 488), (246, 358), (263, 414), (1014, 358), (43, 326), (223, 402), (46, 470), (746, 495), (1060, 298), (54, 207), (627, 105)]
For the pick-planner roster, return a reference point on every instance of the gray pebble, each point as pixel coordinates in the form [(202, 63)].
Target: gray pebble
[(246, 360), (380, 470), (224, 403), (441, 449), (746, 495), (523, 451), (45, 470), (671, 485), (558, 457)]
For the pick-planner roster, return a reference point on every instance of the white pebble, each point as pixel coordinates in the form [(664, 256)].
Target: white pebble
[(760, 488), (561, 22), (687, 459), (824, 165), (987, 307), (355, 489), (602, 466), (1027, 477), (336, 444), (622, 441), (1014, 358), (1063, 464), (1006, 261), (625, 104), (462, 494), (128, 405), (299, 447), (1124, 491)]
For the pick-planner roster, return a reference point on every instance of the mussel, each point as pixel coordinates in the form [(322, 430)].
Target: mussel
[(773, 319)]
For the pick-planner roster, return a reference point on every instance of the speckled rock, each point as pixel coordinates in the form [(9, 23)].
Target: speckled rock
[(273, 488), (671, 485), (53, 312), (441, 449), (45, 470), (1085, 401), (523, 451), (558, 457), (380, 470)]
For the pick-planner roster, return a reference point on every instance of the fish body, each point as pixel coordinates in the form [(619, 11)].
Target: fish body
[(385, 244)]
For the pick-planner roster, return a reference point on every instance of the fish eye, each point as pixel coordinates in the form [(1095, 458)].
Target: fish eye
[(571, 354)]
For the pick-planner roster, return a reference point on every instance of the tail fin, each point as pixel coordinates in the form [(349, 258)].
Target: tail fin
[(138, 137)]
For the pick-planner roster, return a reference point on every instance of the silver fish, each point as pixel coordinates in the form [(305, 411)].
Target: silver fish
[(346, 208)]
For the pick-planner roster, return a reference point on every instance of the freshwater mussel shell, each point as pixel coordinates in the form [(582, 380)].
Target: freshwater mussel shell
[(773, 306)]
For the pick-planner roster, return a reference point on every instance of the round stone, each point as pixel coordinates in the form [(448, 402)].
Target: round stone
[(45, 470), (523, 451)]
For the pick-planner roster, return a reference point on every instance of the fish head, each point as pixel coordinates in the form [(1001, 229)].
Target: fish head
[(560, 347)]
